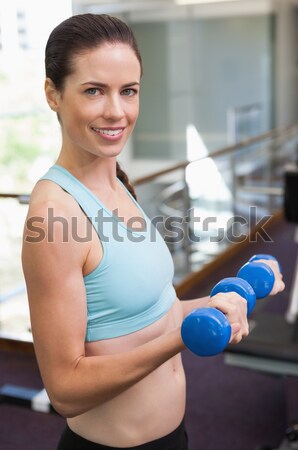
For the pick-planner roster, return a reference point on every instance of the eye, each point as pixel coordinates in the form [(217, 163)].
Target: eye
[(129, 92), (92, 91)]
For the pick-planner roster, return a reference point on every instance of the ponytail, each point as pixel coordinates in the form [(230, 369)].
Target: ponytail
[(125, 180)]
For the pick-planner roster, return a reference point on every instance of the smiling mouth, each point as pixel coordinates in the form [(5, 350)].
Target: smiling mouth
[(108, 131)]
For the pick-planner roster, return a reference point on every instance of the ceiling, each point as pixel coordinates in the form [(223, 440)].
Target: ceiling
[(163, 9)]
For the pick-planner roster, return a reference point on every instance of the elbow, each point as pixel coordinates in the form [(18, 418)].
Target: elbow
[(67, 406), (64, 396), (64, 410)]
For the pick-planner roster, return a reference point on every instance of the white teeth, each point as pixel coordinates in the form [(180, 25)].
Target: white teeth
[(109, 132)]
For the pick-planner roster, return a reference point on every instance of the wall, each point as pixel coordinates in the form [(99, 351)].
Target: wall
[(286, 69), (195, 70)]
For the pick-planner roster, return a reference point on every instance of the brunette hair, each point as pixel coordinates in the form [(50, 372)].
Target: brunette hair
[(78, 34)]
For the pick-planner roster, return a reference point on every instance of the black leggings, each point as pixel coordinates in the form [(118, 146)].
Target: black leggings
[(177, 440)]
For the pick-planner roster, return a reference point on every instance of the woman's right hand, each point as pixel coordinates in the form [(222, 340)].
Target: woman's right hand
[(235, 308)]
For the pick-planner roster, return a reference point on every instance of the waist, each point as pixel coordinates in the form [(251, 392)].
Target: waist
[(177, 439), (149, 410)]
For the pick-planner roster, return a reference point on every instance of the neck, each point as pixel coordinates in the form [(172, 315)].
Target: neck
[(93, 172)]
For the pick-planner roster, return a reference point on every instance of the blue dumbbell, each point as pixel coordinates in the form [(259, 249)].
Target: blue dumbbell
[(259, 275), (207, 331), (239, 285)]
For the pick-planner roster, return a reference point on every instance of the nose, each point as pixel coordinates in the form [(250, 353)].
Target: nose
[(113, 108)]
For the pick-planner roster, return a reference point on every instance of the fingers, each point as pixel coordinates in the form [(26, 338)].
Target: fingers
[(279, 285), (238, 333), (230, 303), (235, 308)]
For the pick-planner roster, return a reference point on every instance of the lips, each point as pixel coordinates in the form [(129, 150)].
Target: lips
[(108, 131), (111, 134)]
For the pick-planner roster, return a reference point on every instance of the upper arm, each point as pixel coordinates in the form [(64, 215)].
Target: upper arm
[(56, 293)]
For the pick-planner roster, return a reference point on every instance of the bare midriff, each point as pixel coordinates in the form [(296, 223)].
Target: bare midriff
[(150, 409)]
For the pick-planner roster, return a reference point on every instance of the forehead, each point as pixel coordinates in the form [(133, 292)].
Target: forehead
[(107, 62)]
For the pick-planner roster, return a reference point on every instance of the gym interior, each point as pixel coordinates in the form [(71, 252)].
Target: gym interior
[(215, 147)]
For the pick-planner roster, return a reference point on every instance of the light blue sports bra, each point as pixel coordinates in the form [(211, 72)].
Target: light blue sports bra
[(132, 286)]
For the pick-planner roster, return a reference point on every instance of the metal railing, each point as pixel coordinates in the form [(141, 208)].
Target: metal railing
[(219, 197)]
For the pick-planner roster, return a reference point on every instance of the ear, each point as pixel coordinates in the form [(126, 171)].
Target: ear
[(52, 94)]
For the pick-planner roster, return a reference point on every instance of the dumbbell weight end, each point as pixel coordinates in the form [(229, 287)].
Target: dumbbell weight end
[(265, 256), (239, 285), (259, 275), (206, 331)]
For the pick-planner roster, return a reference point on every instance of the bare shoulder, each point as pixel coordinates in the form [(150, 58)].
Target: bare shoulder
[(48, 194)]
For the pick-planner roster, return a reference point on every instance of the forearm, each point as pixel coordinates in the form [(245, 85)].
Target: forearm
[(190, 305), (98, 379)]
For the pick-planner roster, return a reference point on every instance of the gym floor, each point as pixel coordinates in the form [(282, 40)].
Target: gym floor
[(228, 408)]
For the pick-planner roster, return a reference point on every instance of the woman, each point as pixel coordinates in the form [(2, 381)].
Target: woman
[(105, 317)]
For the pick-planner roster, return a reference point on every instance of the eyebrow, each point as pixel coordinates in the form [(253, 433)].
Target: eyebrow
[(104, 85)]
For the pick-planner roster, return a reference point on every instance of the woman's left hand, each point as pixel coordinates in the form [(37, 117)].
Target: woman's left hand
[(279, 285)]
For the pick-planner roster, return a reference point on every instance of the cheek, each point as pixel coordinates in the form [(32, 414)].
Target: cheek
[(82, 117), (134, 112)]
